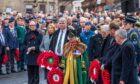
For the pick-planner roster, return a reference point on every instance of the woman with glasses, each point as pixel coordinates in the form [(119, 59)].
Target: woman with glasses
[(31, 43)]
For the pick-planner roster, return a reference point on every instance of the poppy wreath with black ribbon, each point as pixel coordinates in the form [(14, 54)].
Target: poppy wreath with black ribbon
[(55, 76), (48, 60), (106, 77), (94, 70)]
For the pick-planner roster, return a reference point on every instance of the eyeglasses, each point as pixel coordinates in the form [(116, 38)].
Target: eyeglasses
[(32, 25), (61, 23), (82, 22)]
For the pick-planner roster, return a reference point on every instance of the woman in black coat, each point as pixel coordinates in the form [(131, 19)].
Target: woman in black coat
[(32, 42)]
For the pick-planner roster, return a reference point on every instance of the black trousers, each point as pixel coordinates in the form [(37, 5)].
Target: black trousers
[(11, 56), (33, 74), (1, 58)]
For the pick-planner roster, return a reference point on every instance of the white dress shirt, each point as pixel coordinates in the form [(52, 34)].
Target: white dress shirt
[(62, 43)]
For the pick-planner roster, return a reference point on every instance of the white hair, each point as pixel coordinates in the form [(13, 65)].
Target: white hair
[(122, 33), (32, 22), (63, 19), (105, 28), (101, 19), (108, 19), (68, 17)]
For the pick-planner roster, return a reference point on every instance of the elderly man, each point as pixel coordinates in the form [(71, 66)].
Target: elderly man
[(82, 26), (124, 68)]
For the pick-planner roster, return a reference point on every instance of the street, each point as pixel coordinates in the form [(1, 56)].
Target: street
[(19, 78)]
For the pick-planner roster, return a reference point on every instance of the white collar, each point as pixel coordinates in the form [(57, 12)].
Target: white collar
[(123, 41), (63, 30)]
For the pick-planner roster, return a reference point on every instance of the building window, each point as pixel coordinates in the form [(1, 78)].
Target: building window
[(29, 8), (51, 7), (42, 7), (8, 10)]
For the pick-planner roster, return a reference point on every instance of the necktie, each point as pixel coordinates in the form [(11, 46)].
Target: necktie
[(59, 43), (13, 33), (2, 39)]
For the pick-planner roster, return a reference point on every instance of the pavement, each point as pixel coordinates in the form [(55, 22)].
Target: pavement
[(19, 78)]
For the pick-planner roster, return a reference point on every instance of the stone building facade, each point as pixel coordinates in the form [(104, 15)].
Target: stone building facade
[(24, 6)]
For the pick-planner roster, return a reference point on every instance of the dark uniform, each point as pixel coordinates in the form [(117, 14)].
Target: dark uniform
[(32, 39), (134, 37)]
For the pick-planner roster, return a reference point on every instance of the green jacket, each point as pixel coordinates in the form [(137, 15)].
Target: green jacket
[(21, 31)]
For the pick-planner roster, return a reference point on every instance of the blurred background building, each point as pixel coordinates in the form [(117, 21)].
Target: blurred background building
[(56, 6), (46, 6), (29, 5)]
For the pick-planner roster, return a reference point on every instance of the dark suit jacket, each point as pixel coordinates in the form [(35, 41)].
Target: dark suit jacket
[(32, 38), (2, 48), (4, 35), (124, 65), (106, 45), (12, 42), (55, 38), (78, 31), (96, 42)]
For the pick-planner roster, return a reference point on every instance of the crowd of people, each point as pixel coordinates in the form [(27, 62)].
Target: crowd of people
[(110, 36)]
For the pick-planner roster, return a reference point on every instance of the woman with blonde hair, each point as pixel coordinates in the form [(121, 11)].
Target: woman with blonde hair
[(46, 42), (47, 38)]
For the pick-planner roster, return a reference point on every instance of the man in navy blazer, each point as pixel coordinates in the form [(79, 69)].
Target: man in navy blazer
[(12, 44)]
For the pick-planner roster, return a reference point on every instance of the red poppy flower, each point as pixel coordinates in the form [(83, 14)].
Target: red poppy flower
[(33, 37)]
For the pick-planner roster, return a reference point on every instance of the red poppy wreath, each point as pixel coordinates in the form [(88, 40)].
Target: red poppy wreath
[(55, 76), (48, 59), (94, 70), (39, 60), (106, 76)]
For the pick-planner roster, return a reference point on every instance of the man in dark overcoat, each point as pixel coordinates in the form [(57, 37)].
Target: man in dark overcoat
[(124, 66)]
